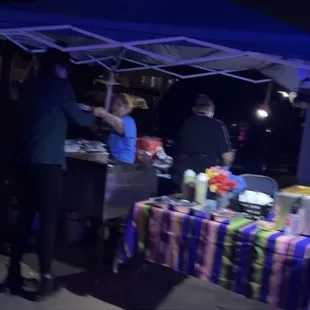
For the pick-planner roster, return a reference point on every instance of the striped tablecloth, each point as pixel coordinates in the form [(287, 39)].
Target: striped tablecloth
[(266, 266)]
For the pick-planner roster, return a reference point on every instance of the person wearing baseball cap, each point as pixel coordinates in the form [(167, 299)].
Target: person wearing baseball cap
[(203, 141)]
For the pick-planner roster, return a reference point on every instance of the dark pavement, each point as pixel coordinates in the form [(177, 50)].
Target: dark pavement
[(85, 287)]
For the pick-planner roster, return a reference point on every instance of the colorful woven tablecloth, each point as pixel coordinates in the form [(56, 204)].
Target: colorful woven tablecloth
[(266, 266)]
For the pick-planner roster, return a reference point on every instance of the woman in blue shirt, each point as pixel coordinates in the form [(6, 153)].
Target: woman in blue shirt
[(122, 140)]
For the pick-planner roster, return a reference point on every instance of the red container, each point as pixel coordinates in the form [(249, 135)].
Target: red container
[(146, 148), (149, 144)]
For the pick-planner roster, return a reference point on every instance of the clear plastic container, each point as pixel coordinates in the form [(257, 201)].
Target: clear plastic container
[(189, 179), (293, 224)]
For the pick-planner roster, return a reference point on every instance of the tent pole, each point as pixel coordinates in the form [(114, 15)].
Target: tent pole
[(6, 115), (303, 167), (268, 93), (112, 75), (109, 92), (7, 58)]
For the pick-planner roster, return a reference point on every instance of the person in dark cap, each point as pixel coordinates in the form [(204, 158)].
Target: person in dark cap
[(46, 103), (203, 141)]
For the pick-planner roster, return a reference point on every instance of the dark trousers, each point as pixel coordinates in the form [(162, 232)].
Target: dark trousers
[(5, 199), (39, 190), (4, 227)]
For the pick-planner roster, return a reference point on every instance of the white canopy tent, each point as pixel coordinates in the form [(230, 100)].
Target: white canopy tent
[(212, 38), (158, 54), (161, 54)]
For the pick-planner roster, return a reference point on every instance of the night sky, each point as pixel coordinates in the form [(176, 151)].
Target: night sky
[(295, 13), (235, 100)]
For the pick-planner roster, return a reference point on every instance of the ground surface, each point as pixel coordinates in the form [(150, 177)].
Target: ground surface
[(155, 288)]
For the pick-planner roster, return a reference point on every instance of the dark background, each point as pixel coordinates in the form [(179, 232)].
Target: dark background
[(295, 13)]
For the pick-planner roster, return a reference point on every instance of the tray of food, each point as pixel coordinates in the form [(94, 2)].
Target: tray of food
[(174, 203), (177, 204), (92, 156), (160, 202), (182, 206), (226, 216), (94, 151)]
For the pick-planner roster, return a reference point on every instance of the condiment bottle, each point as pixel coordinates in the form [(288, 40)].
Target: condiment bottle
[(201, 188), (188, 178), (293, 221)]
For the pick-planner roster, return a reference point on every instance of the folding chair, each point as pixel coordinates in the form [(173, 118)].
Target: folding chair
[(261, 183)]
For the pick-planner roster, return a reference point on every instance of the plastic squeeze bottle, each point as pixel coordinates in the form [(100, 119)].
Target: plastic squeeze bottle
[(201, 188), (293, 221), (188, 178)]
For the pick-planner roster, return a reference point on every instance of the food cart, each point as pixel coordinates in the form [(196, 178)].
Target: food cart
[(100, 188), (106, 189), (239, 257)]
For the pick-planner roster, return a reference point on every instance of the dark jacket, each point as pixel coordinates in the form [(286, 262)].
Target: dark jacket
[(205, 136), (202, 141), (46, 103)]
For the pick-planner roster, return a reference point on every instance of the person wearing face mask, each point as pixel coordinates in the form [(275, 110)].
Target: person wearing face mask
[(203, 141), (123, 137), (46, 104)]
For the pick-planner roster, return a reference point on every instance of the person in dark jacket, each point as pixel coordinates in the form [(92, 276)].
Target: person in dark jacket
[(46, 104), (203, 141)]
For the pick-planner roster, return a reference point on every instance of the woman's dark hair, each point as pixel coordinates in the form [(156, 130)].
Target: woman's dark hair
[(53, 57)]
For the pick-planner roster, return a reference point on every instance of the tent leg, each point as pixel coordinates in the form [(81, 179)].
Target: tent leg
[(109, 93), (7, 58), (303, 168)]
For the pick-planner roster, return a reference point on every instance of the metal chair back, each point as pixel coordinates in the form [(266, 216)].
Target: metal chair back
[(261, 183)]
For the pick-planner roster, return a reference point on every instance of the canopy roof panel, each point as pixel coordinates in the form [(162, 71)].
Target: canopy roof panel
[(201, 14), (216, 37)]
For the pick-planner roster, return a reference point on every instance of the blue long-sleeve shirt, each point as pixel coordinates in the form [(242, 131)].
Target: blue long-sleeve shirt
[(42, 114)]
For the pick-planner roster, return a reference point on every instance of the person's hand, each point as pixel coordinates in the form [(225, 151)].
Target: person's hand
[(85, 107), (99, 111)]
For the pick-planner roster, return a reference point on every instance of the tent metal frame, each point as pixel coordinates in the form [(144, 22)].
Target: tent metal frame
[(32, 35)]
